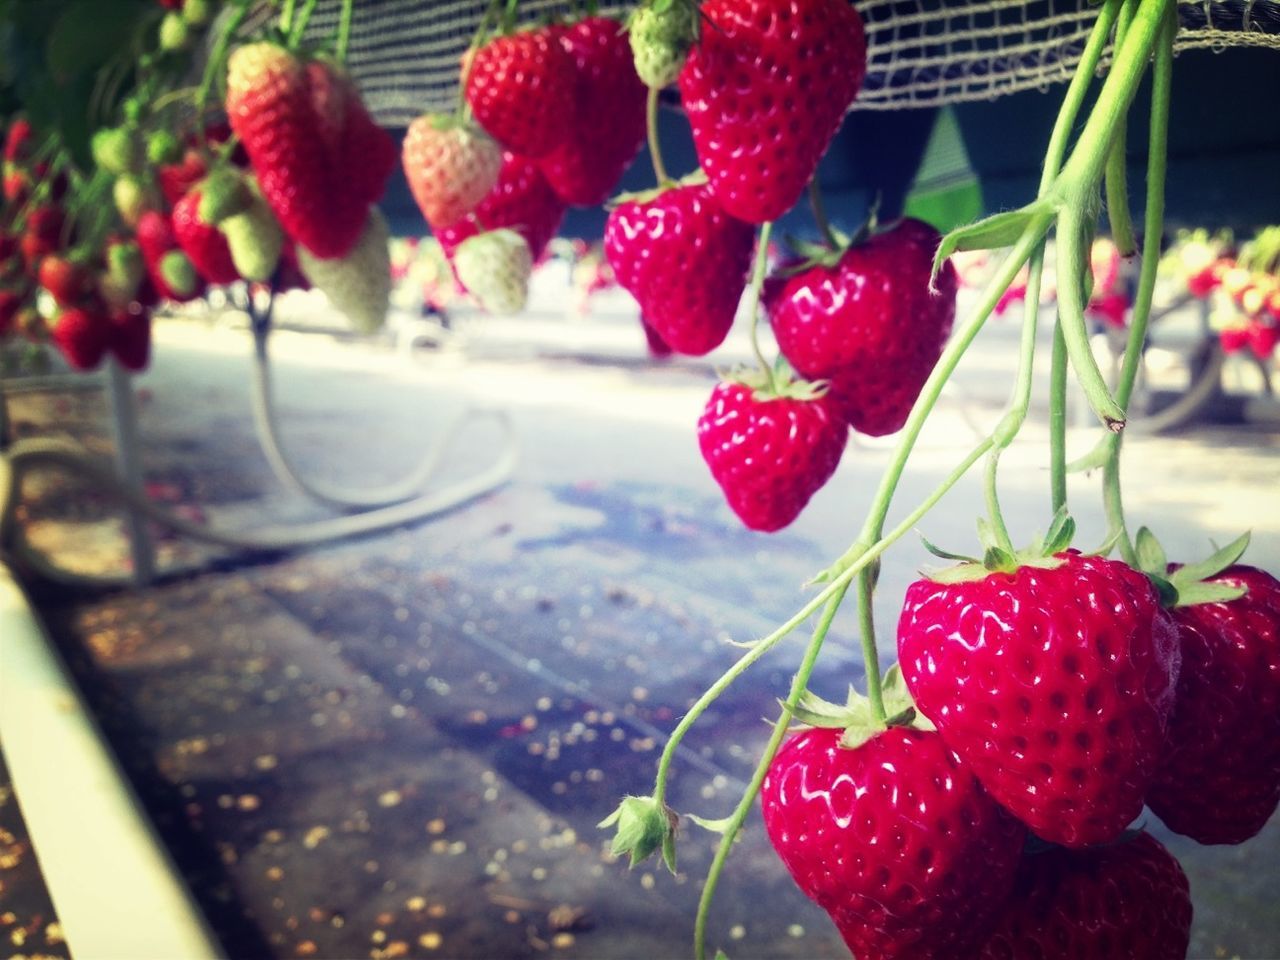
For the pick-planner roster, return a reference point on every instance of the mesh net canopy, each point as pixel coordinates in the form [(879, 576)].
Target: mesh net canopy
[(921, 53)]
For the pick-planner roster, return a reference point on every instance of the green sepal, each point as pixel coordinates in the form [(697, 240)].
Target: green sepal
[(1062, 530), (720, 825), (179, 273), (944, 554), (1104, 549), (993, 232), (783, 383), (721, 955), (899, 704), (163, 146), (1167, 591), (1194, 594), (695, 179), (643, 827), (1151, 556), (1213, 565)]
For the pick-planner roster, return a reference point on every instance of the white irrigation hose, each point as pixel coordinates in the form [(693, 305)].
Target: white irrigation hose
[(29, 454), (117, 891), (331, 495)]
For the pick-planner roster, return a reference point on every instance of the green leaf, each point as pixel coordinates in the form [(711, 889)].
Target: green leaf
[(1214, 564), (992, 233), (1193, 594), (856, 734), (83, 39), (669, 851), (1151, 556)]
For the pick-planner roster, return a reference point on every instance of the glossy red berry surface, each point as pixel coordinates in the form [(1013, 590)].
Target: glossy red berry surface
[(685, 261), (765, 90), (769, 455), (1219, 779), (521, 88), (1124, 901), (1054, 685), (895, 839), (873, 324)]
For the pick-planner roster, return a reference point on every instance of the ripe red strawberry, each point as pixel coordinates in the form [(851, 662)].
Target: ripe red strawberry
[(765, 90), (870, 323), (770, 449), (129, 338), (520, 200), (67, 281), (1219, 778), (450, 167), (684, 260), (177, 179), (17, 184), (607, 125), (1118, 902), (157, 241), (521, 89), (1054, 685), (202, 242), (81, 335), (364, 155), (895, 839), (18, 141), (658, 348), (269, 106)]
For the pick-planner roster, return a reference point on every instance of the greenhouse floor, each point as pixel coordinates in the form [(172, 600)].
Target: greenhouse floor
[(401, 745)]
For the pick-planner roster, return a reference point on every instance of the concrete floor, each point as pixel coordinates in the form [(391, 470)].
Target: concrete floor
[(400, 746)]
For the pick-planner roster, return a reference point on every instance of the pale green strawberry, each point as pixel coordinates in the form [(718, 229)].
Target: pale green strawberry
[(359, 284), (116, 150), (495, 268), (661, 33), (197, 12), (223, 193), (163, 147), (175, 32), (255, 240), (118, 283), (179, 274), (133, 197)]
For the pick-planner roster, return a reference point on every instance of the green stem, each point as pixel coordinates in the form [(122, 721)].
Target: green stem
[(655, 146), (344, 30), (1117, 174), (509, 15), (1058, 419), (757, 284), (218, 59), (867, 634), (464, 108), (820, 212), (1085, 167), (1153, 230), (300, 24), (286, 17), (837, 585), (1073, 240), (798, 686)]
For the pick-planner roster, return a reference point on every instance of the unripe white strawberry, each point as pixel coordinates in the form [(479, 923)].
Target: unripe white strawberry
[(495, 268), (660, 35), (359, 284)]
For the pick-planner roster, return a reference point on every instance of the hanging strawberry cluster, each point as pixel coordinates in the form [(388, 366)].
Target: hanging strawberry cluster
[(980, 799), (273, 184)]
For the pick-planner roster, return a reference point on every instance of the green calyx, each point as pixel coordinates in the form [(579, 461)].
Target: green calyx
[(175, 32), (997, 557), (163, 146), (641, 197), (828, 254), (780, 383), (856, 717), (1189, 585), (644, 825)]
